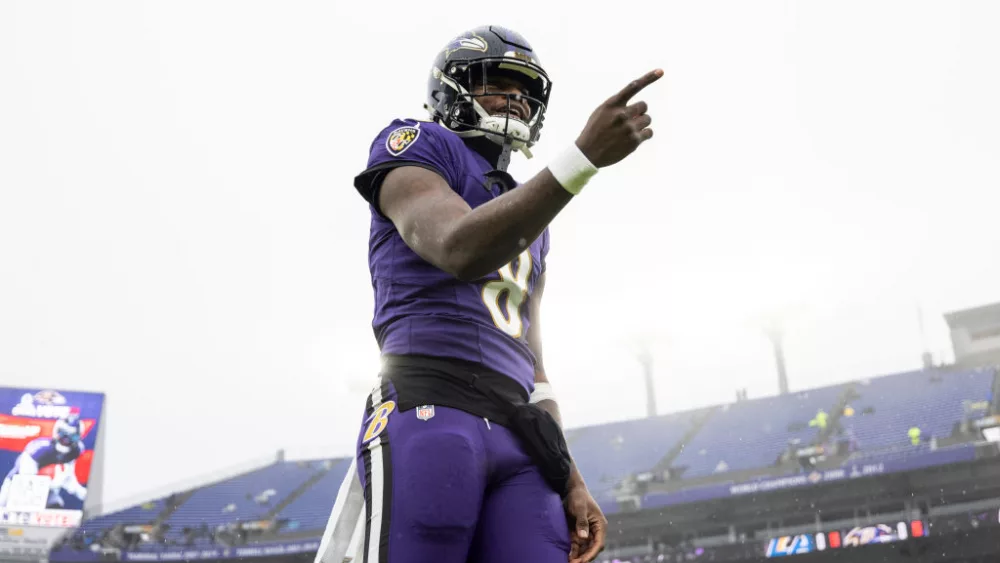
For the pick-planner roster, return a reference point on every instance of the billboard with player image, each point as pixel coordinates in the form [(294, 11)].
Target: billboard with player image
[(48, 440)]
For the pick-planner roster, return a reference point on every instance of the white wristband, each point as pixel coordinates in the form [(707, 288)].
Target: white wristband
[(572, 169), (542, 392)]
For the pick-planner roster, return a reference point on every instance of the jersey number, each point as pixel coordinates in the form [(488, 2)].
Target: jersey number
[(513, 284)]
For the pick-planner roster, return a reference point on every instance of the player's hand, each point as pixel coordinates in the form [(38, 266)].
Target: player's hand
[(587, 524), (617, 128)]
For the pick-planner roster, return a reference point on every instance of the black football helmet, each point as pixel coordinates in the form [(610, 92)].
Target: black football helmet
[(470, 60)]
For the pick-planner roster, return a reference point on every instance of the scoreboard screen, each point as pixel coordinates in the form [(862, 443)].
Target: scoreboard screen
[(47, 442)]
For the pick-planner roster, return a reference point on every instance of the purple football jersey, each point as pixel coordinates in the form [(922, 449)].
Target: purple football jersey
[(420, 309), (44, 453)]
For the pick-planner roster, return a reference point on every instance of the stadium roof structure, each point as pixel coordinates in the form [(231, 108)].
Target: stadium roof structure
[(974, 315)]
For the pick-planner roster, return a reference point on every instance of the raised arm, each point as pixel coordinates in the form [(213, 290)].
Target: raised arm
[(471, 243), (468, 243)]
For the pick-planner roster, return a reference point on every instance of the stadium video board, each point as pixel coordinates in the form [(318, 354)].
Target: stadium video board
[(836, 539), (47, 446)]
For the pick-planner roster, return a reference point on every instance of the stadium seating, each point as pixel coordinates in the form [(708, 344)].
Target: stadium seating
[(889, 406), (243, 498), (311, 510), (144, 513), (752, 434), (607, 453)]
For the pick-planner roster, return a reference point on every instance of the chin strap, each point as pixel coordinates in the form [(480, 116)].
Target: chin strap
[(507, 142), (504, 159)]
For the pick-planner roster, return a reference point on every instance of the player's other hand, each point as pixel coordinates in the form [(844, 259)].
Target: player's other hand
[(617, 127), (587, 525)]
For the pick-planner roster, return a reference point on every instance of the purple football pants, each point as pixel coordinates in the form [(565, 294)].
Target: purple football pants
[(444, 486)]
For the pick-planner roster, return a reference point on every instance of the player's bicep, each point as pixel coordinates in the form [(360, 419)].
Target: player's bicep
[(425, 210)]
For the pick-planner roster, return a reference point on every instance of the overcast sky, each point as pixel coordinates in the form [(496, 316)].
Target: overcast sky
[(179, 229)]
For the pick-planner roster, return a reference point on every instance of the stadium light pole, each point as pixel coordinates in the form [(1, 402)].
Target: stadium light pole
[(640, 345), (775, 324), (645, 357), (775, 332)]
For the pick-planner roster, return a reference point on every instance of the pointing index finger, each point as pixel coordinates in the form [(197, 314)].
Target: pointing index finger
[(636, 86)]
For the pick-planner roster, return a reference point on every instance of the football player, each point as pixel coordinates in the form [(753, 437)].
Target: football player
[(58, 453), (460, 455)]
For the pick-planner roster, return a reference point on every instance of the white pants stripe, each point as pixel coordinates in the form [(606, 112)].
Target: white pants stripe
[(376, 471), (349, 520)]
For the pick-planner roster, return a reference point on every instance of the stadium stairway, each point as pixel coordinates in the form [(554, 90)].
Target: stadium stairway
[(299, 491), (833, 423), (835, 408), (170, 507), (668, 460)]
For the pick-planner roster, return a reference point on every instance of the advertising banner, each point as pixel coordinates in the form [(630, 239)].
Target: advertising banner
[(192, 554), (27, 543), (836, 539), (867, 467)]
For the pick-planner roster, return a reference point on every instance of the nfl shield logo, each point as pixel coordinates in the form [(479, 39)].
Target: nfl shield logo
[(425, 412)]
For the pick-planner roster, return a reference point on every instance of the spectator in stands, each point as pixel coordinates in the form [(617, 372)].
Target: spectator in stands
[(821, 420), (914, 434)]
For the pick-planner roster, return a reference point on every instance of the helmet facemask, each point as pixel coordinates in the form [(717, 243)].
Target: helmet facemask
[(461, 111), (67, 431)]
